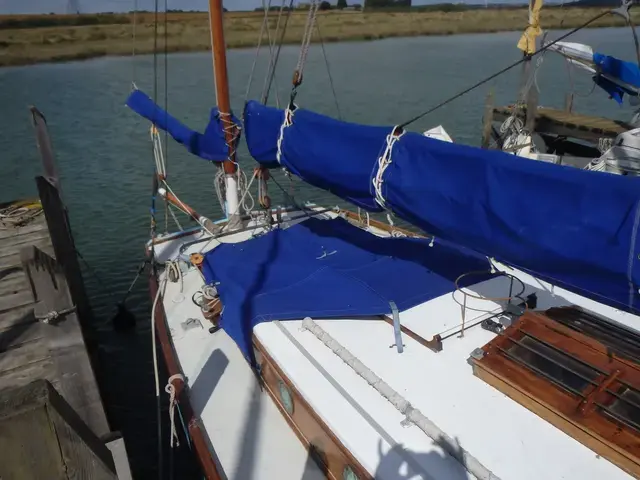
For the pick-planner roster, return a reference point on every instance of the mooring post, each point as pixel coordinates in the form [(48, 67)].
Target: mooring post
[(487, 120)]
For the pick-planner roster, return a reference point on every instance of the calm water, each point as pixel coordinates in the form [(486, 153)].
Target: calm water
[(105, 160)]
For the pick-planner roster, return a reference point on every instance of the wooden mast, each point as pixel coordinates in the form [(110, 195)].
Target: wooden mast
[(221, 79)]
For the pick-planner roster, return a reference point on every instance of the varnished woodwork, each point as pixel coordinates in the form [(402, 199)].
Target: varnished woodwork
[(571, 413), (326, 449)]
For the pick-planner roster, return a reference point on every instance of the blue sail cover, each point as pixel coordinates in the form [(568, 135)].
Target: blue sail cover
[(329, 269), (344, 150), (210, 146), (575, 228), (615, 74)]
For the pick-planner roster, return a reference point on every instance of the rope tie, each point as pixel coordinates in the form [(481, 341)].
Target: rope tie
[(383, 163), (288, 121), (229, 126), (171, 390), (53, 315)]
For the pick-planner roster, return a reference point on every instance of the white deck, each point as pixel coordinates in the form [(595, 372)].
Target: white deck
[(252, 440)]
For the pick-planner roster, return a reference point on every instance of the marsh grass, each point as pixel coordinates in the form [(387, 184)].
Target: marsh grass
[(53, 38)]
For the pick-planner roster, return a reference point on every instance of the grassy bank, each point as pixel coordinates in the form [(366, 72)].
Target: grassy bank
[(51, 38)]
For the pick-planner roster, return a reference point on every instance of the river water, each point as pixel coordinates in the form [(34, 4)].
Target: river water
[(104, 155)]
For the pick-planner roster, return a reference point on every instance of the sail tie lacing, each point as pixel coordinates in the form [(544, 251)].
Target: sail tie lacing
[(171, 390), (383, 163), (287, 122)]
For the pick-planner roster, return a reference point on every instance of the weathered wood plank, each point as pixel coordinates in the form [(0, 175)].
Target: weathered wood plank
[(12, 279), (13, 359), (44, 438), (22, 334), (24, 374), (15, 299), (37, 225), (12, 245), (13, 258), (16, 316)]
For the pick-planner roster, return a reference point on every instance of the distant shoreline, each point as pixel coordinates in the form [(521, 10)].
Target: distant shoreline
[(111, 35)]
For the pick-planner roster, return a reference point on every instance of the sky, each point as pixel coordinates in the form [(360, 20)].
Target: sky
[(92, 6)]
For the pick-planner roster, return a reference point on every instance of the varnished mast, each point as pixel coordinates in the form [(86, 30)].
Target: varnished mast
[(221, 78)]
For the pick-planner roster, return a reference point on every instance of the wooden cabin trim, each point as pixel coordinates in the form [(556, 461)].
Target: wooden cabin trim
[(201, 445), (324, 447), (381, 225), (576, 415)]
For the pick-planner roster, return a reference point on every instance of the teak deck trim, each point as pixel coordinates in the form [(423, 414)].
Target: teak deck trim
[(322, 444)]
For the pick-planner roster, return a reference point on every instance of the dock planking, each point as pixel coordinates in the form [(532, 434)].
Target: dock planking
[(31, 349), (569, 124)]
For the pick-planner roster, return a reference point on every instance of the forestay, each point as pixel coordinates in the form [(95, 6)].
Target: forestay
[(575, 228), (329, 269), (210, 145)]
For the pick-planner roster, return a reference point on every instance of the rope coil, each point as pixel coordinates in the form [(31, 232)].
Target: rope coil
[(171, 390)]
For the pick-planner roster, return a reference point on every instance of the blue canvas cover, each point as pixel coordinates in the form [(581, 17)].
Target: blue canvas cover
[(210, 146), (575, 228), (618, 70), (329, 269), (344, 150)]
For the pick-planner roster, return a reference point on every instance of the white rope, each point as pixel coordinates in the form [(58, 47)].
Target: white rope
[(153, 335), (171, 390), (158, 155), (413, 415), (383, 163), (306, 38), (247, 202), (173, 267), (288, 121)]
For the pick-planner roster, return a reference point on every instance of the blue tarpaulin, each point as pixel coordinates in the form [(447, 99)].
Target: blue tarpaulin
[(329, 269), (575, 228), (210, 146), (335, 156), (615, 74)]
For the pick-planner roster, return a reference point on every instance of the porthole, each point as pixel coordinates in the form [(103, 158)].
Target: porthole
[(285, 397), (349, 474)]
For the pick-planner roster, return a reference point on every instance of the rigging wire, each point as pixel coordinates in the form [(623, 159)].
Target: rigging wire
[(266, 89), (265, 23), (166, 110), (134, 25), (504, 70), (153, 234), (326, 62)]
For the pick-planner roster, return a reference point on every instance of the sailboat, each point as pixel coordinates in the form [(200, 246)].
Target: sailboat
[(502, 342)]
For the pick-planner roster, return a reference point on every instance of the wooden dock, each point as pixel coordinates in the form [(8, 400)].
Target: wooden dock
[(45, 345), (568, 124), (31, 349)]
